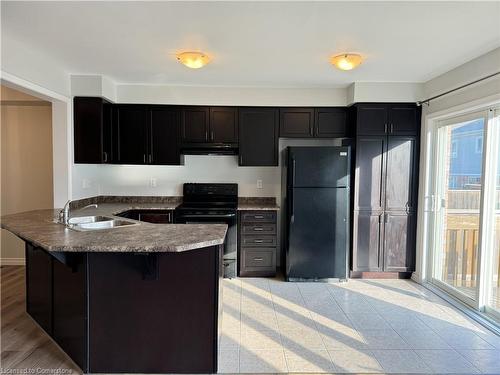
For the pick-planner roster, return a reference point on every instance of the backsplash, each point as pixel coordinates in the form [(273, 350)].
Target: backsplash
[(91, 180)]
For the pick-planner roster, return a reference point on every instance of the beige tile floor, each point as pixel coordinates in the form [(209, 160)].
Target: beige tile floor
[(370, 326)]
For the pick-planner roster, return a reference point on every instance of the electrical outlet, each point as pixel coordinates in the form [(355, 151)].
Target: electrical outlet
[(259, 184), (86, 183), (152, 182)]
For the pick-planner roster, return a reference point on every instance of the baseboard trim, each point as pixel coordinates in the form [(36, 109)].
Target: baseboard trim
[(12, 262), (379, 275)]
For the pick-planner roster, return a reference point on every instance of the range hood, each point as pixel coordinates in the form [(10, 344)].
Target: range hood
[(210, 149)]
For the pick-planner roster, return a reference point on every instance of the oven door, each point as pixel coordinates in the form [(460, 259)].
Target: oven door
[(230, 245)]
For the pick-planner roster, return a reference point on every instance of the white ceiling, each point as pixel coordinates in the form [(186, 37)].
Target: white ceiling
[(272, 44)]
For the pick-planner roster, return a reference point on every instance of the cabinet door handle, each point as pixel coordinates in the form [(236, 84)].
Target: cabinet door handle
[(258, 241), (392, 127), (258, 259), (206, 135), (150, 158), (385, 128), (259, 217), (105, 157), (144, 158), (258, 229), (212, 137), (241, 159), (310, 131)]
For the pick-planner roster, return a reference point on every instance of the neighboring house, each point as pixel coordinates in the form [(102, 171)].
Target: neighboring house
[(466, 151)]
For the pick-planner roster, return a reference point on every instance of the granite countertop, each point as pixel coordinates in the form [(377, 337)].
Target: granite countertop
[(166, 202), (39, 228), (257, 204)]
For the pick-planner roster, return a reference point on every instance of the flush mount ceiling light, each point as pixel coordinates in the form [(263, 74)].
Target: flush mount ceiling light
[(193, 60), (346, 61)]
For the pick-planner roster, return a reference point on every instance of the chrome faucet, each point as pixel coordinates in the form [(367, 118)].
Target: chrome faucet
[(64, 213)]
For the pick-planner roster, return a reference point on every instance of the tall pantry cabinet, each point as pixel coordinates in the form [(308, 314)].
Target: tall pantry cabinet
[(385, 188)]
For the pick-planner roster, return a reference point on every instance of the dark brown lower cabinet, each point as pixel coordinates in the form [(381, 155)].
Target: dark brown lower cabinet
[(157, 216), (130, 312), (39, 286), (257, 243), (70, 305), (367, 241), (384, 241), (399, 241)]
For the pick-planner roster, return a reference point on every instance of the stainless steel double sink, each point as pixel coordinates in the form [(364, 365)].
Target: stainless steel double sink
[(89, 223)]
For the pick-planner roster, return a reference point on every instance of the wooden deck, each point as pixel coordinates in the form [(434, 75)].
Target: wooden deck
[(25, 345), (461, 245)]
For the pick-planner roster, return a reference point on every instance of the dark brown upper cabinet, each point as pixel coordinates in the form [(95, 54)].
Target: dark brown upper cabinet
[(147, 135), (258, 137), (371, 119), (131, 135), (223, 125), (209, 125), (387, 119), (195, 125), (327, 122), (164, 145), (297, 122), (330, 122), (92, 119), (404, 119)]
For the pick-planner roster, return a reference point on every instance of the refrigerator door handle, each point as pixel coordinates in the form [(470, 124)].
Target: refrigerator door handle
[(292, 214)]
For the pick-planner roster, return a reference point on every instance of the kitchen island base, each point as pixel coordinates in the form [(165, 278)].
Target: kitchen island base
[(129, 312)]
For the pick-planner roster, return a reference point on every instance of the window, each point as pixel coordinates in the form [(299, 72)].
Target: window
[(454, 149), (464, 255), (479, 145)]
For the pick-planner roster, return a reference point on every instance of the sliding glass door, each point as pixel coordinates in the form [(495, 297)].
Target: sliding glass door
[(466, 209)]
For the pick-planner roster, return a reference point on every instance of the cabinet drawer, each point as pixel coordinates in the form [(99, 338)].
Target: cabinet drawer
[(258, 216), (258, 258), (258, 241), (255, 228)]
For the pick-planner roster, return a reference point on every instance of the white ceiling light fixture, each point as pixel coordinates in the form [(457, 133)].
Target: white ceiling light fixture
[(193, 60), (346, 61)]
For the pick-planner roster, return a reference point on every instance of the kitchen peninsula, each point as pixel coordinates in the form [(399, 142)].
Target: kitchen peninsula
[(141, 298)]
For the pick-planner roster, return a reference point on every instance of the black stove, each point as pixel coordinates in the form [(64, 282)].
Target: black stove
[(217, 204)]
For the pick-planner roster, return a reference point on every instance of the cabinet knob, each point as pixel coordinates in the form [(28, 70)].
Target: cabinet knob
[(105, 157)]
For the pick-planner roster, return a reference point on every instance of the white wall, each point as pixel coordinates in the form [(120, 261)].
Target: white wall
[(93, 85), (475, 69), (91, 179), (385, 92), (29, 63), (135, 180), (243, 96)]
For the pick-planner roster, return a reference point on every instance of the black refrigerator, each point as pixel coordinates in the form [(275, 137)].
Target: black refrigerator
[(317, 212)]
